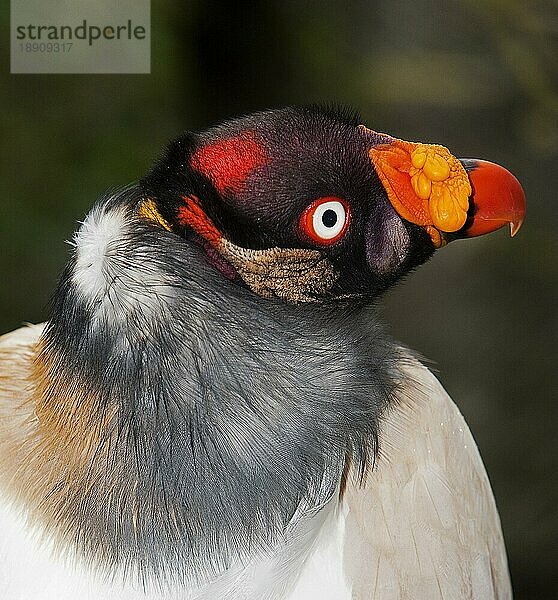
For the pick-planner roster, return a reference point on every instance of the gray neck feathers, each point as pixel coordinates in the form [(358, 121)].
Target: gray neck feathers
[(225, 415)]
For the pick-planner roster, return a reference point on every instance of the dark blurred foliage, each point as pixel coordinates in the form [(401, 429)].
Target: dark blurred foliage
[(480, 76)]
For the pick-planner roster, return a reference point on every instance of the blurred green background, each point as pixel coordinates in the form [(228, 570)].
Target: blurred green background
[(479, 76)]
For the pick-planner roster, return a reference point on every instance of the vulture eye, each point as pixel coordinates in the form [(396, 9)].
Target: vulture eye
[(325, 220)]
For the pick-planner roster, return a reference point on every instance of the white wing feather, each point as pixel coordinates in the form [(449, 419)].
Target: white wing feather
[(425, 524)]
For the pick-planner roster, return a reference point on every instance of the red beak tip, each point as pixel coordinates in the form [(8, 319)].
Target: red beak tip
[(498, 197)]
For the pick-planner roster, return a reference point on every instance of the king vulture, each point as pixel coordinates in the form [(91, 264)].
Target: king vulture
[(215, 411)]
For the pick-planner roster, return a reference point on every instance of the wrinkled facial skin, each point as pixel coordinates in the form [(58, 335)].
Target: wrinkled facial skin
[(256, 177)]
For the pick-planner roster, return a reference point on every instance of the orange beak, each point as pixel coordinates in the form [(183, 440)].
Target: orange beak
[(448, 197)]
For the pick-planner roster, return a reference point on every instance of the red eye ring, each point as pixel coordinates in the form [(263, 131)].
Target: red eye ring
[(325, 221)]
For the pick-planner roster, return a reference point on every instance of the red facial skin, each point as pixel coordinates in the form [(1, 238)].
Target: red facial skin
[(228, 163)]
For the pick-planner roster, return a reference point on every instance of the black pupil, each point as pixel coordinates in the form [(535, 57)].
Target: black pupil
[(329, 218)]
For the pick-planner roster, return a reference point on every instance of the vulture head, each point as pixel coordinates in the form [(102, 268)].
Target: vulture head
[(309, 206)]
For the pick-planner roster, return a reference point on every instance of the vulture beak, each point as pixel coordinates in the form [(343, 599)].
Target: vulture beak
[(497, 199), (449, 197)]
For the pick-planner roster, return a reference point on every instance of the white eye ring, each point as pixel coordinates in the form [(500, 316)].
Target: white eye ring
[(329, 219)]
